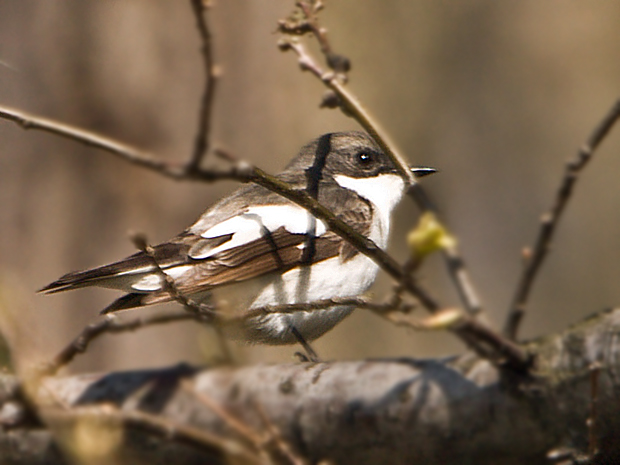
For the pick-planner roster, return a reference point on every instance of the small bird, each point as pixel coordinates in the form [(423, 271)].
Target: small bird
[(255, 248)]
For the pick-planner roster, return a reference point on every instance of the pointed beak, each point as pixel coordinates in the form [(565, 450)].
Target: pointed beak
[(421, 171)]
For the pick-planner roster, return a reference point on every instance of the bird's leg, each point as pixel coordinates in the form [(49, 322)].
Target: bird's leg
[(310, 354)]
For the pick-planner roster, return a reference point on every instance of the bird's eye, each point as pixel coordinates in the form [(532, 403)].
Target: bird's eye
[(366, 159)]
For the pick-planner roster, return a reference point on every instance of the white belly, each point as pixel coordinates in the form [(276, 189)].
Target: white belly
[(324, 280)]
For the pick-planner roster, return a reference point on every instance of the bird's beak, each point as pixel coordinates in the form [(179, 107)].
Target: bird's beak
[(421, 171)]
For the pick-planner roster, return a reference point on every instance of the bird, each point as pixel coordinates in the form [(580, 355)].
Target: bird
[(256, 248)]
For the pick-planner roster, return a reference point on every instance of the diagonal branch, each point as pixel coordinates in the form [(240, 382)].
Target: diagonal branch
[(550, 220), (244, 172), (351, 106)]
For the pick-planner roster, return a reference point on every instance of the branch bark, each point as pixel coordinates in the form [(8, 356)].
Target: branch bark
[(461, 410)]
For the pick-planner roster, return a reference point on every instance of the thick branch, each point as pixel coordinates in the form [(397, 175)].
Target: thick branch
[(382, 411)]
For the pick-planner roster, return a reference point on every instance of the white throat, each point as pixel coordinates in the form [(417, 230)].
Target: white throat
[(384, 192)]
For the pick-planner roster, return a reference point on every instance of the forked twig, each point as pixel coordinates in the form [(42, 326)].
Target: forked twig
[(350, 105), (550, 220)]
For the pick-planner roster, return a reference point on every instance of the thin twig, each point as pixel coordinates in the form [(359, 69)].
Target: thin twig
[(92, 139), (350, 105), (320, 305), (201, 144), (550, 220), (452, 257), (168, 284), (110, 324)]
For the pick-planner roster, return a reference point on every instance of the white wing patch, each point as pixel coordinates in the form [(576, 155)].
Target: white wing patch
[(152, 282), (251, 225)]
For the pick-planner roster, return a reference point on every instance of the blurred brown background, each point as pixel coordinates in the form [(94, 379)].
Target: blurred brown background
[(497, 95)]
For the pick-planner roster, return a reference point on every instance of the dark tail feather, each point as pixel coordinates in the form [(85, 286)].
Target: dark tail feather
[(125, 303), (135, 299), (166, 254), (77, 279)]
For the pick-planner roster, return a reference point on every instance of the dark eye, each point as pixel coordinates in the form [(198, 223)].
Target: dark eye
[(366, 159)]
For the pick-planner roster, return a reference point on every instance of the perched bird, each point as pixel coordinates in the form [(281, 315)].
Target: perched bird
[(256, 248)]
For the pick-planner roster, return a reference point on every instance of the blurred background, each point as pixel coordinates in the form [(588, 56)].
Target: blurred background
[(497, 95)]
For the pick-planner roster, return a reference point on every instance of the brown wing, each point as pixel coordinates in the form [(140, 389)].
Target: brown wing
[(277, 251)]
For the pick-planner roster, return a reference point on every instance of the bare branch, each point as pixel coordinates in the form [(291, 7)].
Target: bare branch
[(156, 425), (362, 412), (351, 106), (92, 139), (110, 324), (201, 144), (550, 220), (242, 172)]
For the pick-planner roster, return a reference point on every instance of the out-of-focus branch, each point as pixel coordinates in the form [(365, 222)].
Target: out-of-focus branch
[(201, 144), (110, 324), (550, 220), (363, 412), (108, 418)]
